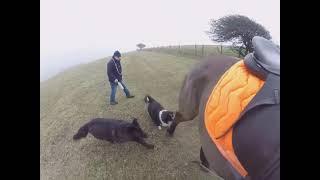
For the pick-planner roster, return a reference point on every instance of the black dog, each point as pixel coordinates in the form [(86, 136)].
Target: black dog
[(158, 114), (114, 131)]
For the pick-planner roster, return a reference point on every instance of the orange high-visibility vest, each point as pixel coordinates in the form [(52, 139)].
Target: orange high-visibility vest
[(230, 96)]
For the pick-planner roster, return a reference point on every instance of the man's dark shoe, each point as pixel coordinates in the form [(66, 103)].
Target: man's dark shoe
[(113, 103), (131, 96)]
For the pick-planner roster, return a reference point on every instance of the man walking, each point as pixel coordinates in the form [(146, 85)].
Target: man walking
[(114, 72)]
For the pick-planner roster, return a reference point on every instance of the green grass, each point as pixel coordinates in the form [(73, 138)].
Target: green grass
[(79, 94)]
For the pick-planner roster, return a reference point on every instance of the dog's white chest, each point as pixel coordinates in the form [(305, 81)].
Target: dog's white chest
[(163, 123)]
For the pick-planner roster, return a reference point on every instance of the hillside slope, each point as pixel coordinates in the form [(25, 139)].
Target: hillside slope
[(73, 97)]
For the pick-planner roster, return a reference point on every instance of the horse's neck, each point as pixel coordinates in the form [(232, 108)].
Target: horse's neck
[(199, 83), (190, 97)]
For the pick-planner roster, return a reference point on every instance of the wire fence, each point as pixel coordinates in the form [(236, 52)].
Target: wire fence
[(194, 51)]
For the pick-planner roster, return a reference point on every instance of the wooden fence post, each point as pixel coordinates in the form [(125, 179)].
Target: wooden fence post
[(203, 50), (195, 49)]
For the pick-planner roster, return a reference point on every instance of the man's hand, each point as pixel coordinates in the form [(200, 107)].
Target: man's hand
[(116, 81)]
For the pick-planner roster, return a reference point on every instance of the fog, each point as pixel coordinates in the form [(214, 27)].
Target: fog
[(52, 64), (80, 31)]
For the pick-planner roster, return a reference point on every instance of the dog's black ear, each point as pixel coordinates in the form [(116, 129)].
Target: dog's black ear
[(135, 122)]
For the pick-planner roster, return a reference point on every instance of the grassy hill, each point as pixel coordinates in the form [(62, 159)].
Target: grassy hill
[(79, 94)]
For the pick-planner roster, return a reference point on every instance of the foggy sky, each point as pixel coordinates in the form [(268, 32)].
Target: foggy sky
[(77, 31)]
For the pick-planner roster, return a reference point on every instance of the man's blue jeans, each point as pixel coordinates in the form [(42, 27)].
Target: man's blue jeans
[(114, 90)]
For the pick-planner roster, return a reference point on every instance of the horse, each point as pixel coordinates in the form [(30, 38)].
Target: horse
[(255, 133)]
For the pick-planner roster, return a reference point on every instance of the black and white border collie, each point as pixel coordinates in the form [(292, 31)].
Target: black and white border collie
[(159, 115)]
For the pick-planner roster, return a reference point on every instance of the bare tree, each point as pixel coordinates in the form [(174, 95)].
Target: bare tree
[(141, 46), (237, 29)]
